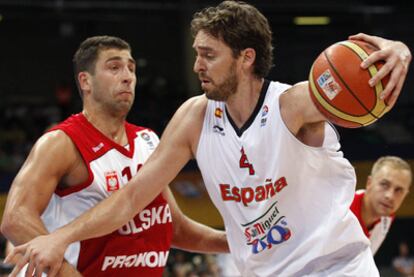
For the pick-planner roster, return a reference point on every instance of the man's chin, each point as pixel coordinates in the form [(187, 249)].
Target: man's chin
[(386, 212), (214, 95), (124, 107)]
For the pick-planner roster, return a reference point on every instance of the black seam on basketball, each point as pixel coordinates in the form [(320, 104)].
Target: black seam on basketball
[(350, 48), (369, 72), (346, 85)]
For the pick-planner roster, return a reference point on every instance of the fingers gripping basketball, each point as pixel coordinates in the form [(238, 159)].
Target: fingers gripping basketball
[(339, 86)]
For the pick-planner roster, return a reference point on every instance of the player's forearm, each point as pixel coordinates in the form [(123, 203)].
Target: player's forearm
[(21, 225), (203, 238)]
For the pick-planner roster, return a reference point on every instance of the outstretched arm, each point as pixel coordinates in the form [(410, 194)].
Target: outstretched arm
[(173, 152), (33, 187), (192, 236)]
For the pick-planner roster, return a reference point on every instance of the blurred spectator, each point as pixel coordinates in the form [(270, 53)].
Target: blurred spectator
[(404, 263), (186, 264)]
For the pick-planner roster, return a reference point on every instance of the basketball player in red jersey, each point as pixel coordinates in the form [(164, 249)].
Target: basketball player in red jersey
[(85, 159), (376, 205), (284, 191)]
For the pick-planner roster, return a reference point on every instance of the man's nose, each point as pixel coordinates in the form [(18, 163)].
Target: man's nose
[(128, 75), (198, 65)]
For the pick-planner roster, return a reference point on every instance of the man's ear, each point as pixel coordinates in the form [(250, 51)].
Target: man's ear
[(369, 181), (84, 81), (248, 56)]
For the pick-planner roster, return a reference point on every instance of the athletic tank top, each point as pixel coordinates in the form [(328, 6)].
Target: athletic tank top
[(285, 204), (141, 246), (379, 231)]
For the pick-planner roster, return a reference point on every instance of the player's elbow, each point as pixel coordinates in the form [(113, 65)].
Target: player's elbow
[(10, 224)]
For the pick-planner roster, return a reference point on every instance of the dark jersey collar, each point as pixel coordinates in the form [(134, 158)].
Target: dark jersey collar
[(259, 104)]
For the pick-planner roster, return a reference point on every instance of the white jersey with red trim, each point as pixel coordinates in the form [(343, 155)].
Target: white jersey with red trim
[(285, 204), (379, 230), (141, 246)]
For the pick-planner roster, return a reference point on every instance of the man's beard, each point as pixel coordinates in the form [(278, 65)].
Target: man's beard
[(224, 90)]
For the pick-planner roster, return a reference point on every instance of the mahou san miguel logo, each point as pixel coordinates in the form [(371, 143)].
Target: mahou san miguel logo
[(268, 230), (112, 181)]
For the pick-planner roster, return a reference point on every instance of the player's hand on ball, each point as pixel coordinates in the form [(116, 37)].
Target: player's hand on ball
[(397, 58)]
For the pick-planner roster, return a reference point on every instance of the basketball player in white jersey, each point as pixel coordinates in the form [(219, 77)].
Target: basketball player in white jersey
[(86, 158), (283, 190), (376, 205)]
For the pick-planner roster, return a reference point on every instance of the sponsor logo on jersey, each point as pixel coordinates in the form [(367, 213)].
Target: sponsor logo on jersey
[(98, 147), (248, 194), (150, 259), (219, 130), (218, 113), (146, 219), (265, 111), (112, 181), (146, 137), (267, 230)]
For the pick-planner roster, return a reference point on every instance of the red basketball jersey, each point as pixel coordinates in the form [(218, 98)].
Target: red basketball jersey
[(141, 246)]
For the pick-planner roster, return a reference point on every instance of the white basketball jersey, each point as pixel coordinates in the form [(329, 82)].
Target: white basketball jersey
[(285, 204)]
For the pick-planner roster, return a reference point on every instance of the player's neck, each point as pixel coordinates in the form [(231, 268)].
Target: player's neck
[(242, 104), (111, 126), (368, 214)]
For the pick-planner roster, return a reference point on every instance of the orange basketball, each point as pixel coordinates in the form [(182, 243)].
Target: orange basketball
[(339, 86)]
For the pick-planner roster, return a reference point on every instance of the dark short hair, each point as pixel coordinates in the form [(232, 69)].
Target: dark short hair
[(87, 54), (240, 26)]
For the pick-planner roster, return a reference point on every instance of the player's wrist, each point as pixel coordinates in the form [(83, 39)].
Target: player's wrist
[(63, 237)]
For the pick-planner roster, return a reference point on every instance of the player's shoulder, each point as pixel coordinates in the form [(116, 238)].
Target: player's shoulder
[(291, 98), (54, 144), (196, 102), (55, 137), (194, 108)]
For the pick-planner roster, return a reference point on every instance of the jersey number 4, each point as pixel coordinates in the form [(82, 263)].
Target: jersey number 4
[(244, 162)]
